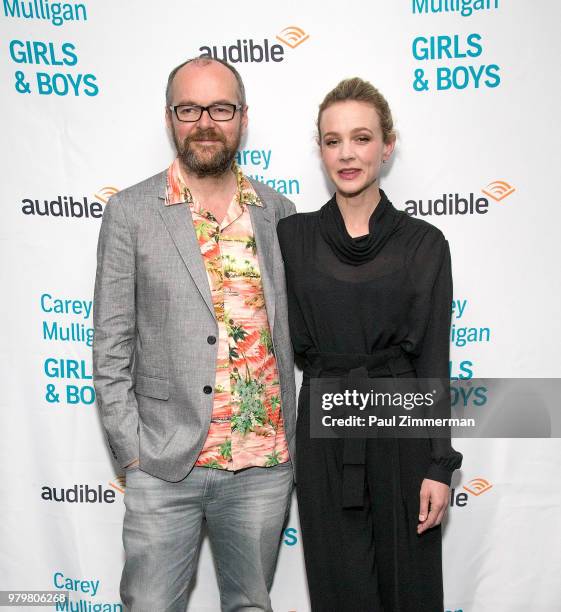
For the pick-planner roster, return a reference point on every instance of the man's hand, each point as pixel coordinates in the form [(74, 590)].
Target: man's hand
[(435, 495)]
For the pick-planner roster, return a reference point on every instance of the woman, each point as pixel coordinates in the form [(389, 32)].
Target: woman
[(369, 290)]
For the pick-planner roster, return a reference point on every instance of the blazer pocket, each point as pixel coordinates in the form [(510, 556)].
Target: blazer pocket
[(157, 388)]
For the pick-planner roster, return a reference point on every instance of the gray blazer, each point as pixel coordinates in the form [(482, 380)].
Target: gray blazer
[(153, 316)]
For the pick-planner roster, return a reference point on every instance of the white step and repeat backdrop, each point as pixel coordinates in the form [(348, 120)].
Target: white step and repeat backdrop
[(474, 87)]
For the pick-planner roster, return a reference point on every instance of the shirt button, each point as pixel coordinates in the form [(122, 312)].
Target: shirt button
[(211, 339), (207, 389)]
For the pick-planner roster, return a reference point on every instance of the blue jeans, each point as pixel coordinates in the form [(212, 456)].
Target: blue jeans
[(245, 513)]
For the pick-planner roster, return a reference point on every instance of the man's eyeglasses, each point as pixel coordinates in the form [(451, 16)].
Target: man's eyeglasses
[(193, 112)]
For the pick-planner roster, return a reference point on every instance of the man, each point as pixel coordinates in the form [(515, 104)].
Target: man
[(193, 366)]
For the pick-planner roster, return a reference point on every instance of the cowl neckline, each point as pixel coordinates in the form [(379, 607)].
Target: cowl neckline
[(381, 225)]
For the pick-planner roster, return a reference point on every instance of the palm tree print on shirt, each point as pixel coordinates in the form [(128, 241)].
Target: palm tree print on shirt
[(247, 428)]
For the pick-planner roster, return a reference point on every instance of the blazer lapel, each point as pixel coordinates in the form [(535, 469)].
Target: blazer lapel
[(263, 228), (180, 226)]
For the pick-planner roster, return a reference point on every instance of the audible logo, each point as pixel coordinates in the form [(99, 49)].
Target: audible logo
[(67, 206), (448, 204), (293, 36), (63, 206), (105, 193), (248, 50), (455, 204), (78, 494), (476, 487), (498, 190)]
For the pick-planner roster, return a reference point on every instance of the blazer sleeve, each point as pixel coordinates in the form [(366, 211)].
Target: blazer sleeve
[(434, 272), (114, 333)]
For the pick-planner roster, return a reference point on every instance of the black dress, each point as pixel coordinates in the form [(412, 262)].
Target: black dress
[(383, 303)]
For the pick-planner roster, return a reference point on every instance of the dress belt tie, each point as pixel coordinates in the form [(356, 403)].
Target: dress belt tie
[(380, 364)]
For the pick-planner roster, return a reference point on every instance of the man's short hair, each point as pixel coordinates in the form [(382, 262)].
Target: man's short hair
[(203, 60)]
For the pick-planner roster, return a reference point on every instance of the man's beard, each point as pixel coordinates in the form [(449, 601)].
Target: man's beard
[(206, 163)]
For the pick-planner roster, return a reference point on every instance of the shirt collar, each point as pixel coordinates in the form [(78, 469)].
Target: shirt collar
[(177, 192)]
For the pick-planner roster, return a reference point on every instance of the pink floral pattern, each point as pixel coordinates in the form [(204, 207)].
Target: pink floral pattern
[(247, 427)]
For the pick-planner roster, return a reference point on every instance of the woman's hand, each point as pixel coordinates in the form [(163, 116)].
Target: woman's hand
[(435, 495)]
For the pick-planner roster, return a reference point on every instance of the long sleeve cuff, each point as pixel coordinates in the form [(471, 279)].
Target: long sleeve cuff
[(442, 468)]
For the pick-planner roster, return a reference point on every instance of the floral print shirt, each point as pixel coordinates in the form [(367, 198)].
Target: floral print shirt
[(246, 427)]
